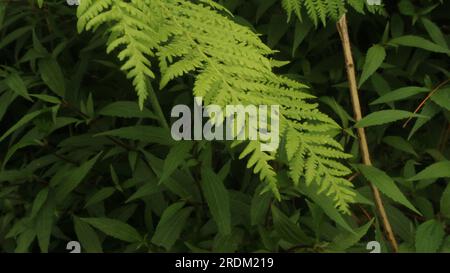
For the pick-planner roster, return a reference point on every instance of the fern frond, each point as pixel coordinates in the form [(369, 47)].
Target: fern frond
[(292, 6), (230, 66), (322, 10)]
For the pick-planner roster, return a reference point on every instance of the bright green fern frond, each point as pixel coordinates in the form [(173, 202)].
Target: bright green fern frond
[(322, 10), (292, 6), (231, 67)]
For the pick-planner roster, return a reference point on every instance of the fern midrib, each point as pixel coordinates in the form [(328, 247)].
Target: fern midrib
[(201, 52)]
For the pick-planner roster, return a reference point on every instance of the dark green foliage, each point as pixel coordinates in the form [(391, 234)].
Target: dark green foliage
[(83, 158)]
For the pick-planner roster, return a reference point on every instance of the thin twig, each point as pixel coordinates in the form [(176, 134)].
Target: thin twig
[(350, 67), (426, 99)]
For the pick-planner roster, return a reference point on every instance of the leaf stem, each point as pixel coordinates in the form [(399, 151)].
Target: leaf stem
[(157, 107), (350, 67)]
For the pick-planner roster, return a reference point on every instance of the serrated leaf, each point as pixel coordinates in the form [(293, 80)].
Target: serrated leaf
[(218, 200), (302, 30), (419, 42), (75, 178), (347, 240), (148, 189), (17, 85), (386, 185), (52, 76), (442, 98), (100, 195), (149, 134), (445, 202), (170, 225), (325, 203), (374, 59), (429, 111), (38, 202), (24, 120), (44, 225), (176, 157), (429, 236), (434, 171), (287, 229), (126, 109), (14, 35), (259, 206), (87, 236), (46, 98), (434, 31), (115, 228), (400, 94), (400, 144), (25, 240), (383, 117)]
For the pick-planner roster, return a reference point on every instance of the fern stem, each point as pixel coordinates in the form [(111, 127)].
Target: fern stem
[(157, 107), (350, 67)]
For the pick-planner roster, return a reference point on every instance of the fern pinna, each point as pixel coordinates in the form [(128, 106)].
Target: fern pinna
[(231, 67), (321, 10)]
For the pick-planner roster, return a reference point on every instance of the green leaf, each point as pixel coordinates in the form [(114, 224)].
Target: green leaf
[(302, 30), (325, 203), (386, 185), (400, 94), (176, 157), (442, 98), (52, 76), (24, 120), (374, 59), (434, 171), (259, 206), (434, 31), (400, 144), (100, 196), (149, 188), (383, 117), (429, 111), (126, 109), (14, 35), (445, 202), (24, 241), (87, 236), (149, 134), (172, 222), (44, 225), (5, 100), (46, 98), (419, 42), (225, 243), (39, 201), (74, 178), (17, 85), (287, 229), (429, 236), (218, 200), (346, 240), (115, 228)]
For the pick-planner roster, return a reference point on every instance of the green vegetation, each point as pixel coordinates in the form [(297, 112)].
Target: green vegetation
[(86, 151)]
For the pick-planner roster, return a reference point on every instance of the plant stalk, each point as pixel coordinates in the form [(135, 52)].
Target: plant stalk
[(157, 107), (351, 75)]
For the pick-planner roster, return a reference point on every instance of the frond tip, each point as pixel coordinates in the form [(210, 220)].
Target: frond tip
[(231, 66)]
